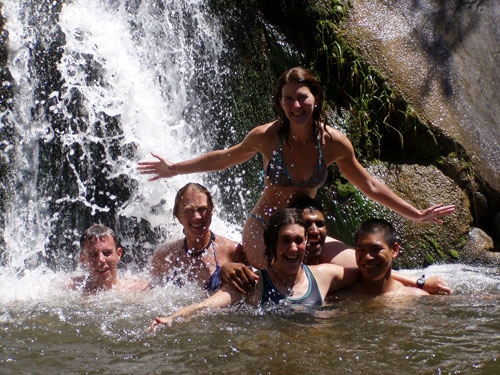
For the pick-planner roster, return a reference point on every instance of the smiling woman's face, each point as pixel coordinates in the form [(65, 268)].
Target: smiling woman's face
[(291, 248), (298, 103), (195, 214)]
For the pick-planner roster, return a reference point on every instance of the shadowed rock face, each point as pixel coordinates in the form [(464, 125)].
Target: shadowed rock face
[(443, 56)]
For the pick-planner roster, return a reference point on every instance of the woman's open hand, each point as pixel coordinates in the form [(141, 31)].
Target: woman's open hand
[(157, 322), (161, 167), (433, 213)]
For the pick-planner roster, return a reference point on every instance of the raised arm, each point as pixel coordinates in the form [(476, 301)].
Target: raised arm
[(376, 190), (212, 161)]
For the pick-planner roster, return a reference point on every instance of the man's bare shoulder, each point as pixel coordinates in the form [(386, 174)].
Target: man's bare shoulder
[(333, 246), (132, 284), (326, 269), (337, 252)]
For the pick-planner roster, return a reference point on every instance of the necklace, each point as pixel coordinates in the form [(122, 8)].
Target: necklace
[(289, 290), (193, 253)]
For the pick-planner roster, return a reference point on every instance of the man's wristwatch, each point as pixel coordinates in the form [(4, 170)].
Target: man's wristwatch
[(421, 281)]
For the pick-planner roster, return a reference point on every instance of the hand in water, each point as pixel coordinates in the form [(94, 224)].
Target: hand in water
[(157, 322), (436, 285)]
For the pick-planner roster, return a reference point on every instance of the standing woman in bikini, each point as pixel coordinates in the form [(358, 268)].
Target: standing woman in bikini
[(296, 150)]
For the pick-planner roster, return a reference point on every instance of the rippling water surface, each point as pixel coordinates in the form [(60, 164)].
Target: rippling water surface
[(46, 329)]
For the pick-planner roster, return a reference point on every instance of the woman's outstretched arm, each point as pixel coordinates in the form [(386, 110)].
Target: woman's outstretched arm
[(222, 298), (376, 190), (211, 161)]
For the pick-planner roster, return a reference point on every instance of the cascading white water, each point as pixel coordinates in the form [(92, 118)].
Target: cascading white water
[(148, 70), (25, 229), (149, 64)]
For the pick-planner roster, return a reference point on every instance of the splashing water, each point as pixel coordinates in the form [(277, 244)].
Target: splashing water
[(100, 84), (132, 79)]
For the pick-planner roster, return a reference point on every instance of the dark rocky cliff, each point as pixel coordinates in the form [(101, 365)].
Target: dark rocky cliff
[(443, 57)]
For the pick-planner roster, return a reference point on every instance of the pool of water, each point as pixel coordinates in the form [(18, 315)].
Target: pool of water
[(46, 330)]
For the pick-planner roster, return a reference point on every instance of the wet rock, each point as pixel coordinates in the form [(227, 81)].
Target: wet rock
[(424, 186), (495, 225), (443, 57), (477, 250), (480, 206)]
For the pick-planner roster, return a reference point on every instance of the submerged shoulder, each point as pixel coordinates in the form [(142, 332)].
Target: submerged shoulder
[(167, 249), (225, 244), (132, 284), (412, 291), (165, 256), (230, 250), (398, 289), (224, 241), (76, 283)]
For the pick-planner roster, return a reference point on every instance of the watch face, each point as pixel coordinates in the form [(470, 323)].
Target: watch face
[(420, 282)]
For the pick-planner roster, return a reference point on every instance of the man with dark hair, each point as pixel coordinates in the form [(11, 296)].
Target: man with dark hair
[(322, 248), (100, 253), (376, 246)]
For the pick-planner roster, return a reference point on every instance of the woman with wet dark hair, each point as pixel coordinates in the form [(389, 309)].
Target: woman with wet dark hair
[(286, 281)]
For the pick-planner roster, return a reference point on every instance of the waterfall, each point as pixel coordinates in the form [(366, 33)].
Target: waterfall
[(96, 86)]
